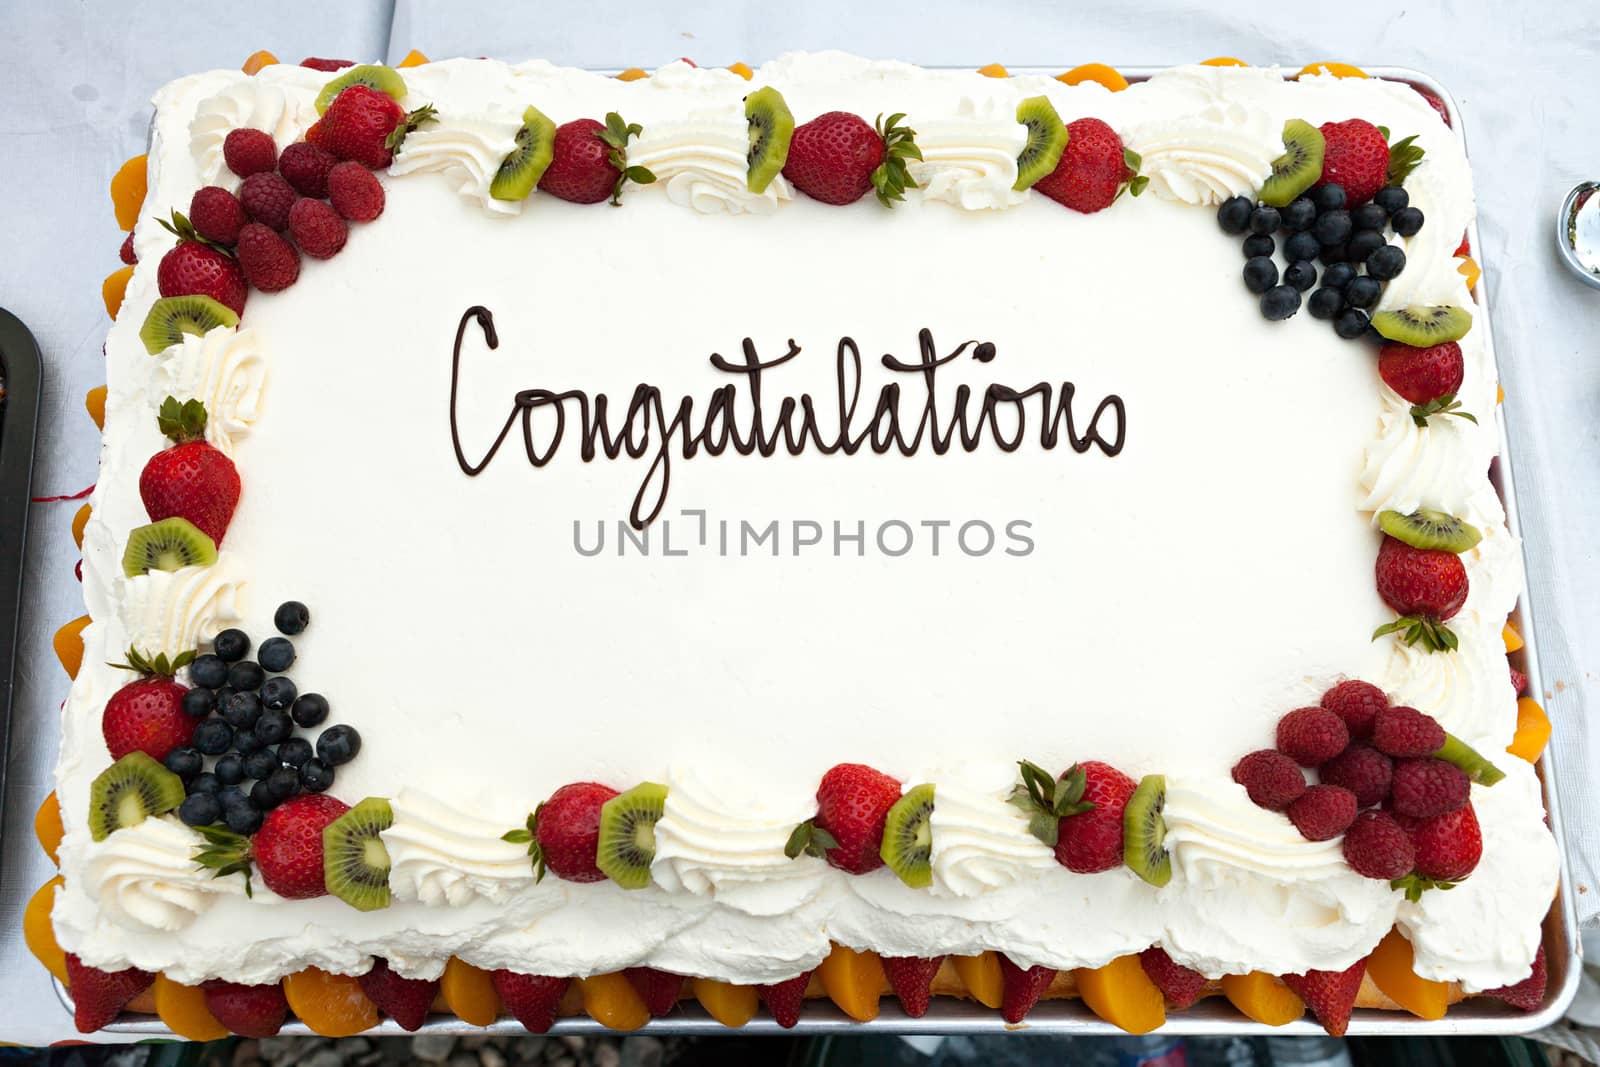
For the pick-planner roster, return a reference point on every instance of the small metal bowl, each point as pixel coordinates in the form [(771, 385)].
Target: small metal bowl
[(1578, 232)]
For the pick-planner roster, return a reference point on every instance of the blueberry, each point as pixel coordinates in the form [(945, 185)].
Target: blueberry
[(246, 674), (1407, 221), (283, 783), (1278, 303), (197, 703), (1233, 216), (1299, 215), (261, 797), (1301, 274), (1301, 246), (223, 694), (1328, 198), (339, 744), (246, 742), (1363, 244), (242, 710), (1265, 219), (205, 782), (276, 653), (1392, 198), (231, 645), (291, 617), (242, 818), (278, 692), (200, 809), (1338, 276), (315, 776), (1333, 254), (208, 671), (233, 797), (185, 762), (213, 736), (1325, 303), (274, 727), (1333, 228), (309, 710), (261, 763), (1260, 274), (1386, 263), (1362, 292), (1370, 217), (295, 751), (1259, 244), (1350, 324), (229, 769)]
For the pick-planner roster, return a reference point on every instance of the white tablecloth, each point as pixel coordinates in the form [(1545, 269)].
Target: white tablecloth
[(76, 79)]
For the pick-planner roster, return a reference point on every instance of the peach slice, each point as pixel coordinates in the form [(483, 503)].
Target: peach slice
[(183, 1009), (80, 519), (611, 1001), (1263, 998), (1338, 70), (854, 981), (1391, 968), (632, 74), (743, 70), (332, 1005), (1533, 730), (94, 401), (114, 288), (40, 934), (1098, 73), (68, 643), (127, 191), (729, 1004), (994, 70), (47, 827), (981, 975), (1468, 268), (413, 58), (144, 1002), (1513, 639), (468, 992), (258, 60), (1122, 994), (1223, 61)]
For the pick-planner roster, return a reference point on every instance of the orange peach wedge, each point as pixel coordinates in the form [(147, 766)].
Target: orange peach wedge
[(633, 74), (1533, 730), (114, 288), (611, 1001), (729, 1004), (1223, 61), (1338, 70), (1469, 270), (743, 70), (1391, 969), (413, 58), (40, 934), (1098, 73), (332, 1005), (981, 975), (79, 521), (68, 644), (468, 992), (854, 981), (1513, 639), (47, 827), (127, 191), (258, 60), (183, 1009), (1122, 994), (994, 70), (1263, 998), (94, 402)]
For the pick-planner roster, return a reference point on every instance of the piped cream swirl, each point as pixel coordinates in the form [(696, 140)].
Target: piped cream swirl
[(145, 876), (701, 163), (225, 370), (980, 842), (467, 150), (970, 160), (174, 611), (442, 856)]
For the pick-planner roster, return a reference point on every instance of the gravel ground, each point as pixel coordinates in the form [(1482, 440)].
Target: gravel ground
[(452, 1051)]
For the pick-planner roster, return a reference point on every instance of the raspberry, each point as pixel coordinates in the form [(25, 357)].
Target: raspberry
[(267, 198), (1323, 812), (1404, 731), (1272, 779), (1376, 846), (1448, 846), (1310, 736), (355, 192), (1357, 703), (1363, 770), (317, 228), (216, 215), (126, 252), (269, 262), (1423, 788), (305, 166), (248, 152)]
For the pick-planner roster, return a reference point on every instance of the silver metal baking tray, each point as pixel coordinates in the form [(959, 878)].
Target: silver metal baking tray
[(1213, 1015)]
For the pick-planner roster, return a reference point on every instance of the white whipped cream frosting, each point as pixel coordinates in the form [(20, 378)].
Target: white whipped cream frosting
[(1246, 893)]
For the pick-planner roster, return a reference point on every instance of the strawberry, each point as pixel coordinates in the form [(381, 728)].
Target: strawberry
[(853, 801), (286, 851), (1093, 169), (1464, 248), (1355, 155), (1519, 682), (658, 989), (590, 161), (248, 152), (837, 158), (1181, 985), (1434, 102), (532, 998), (1357, 703), (126, 253), (355, 192), (269, 262), (405, 1000), (1376, 846), (785, 999), (317, 229), (1424, 788), (247, 1010), (191, 480), (305, 166), (98, 997), (196, 267), (1272, 780), (1090, 840), (1311, 736), (1331, 995), (1426, 587), (1363, 770), (1323, 812), (911, 978), (563, 833), (1404, 732), (1427, 377), (1448, 846), (216, 215), (329, 65), (267, 198), (1528, 994), (1021, 988), (147, 715), (366, 126)]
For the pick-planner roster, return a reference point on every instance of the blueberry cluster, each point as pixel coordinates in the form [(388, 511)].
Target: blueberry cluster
[(248, 711), (1351, 245)]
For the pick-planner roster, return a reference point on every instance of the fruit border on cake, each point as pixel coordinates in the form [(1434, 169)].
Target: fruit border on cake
[(1389, 781)]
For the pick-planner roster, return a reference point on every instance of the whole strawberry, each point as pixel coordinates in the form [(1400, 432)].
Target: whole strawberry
[(405, 1000), (247, 1010), (1331, 995), (837, 158), (98, 997), (288, 847), (196, 267), (563, 833), (1093, 169), (192, 480), (1448, 846), (365, 125), (911, 978), (147, 715), (1090, 840), (1356, 156), (853, 802), (590, 161), (531, 998), (269, 262), (1427, 377), (1426, 587)]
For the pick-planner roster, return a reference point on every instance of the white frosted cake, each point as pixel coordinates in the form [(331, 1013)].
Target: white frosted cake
[(704, 495)]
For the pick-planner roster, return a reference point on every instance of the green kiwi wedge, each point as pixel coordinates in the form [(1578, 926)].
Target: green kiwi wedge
[(771, 127), (173, 316), (1458, 753), (1144, 832), (130, 791), (628, 834), (1423, 327), (168, 545), (355, 865), (372, 75), (521, 170), (1047, 139), (908, 837), (1298, 168), (1430, 530)]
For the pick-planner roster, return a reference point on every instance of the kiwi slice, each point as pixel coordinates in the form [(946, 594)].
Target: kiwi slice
[(1424, 528), (173, 316), (130, 791), (628, 834), (1458, 753), (168, 545), (355, 865), (1144, 832), (908, 837), (372, 75), (521, 170), (1047, 139), (1423, 327), (771, 127), (1298, 168)]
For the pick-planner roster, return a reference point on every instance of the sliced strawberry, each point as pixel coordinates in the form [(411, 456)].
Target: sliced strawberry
[(247, 1010), (1331, 995), (532, 998), (1021, 988), (658, 989), (1181, 985), (785, 999), (911, 978), (98, 997), (405, 1000), (1528, 994)]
